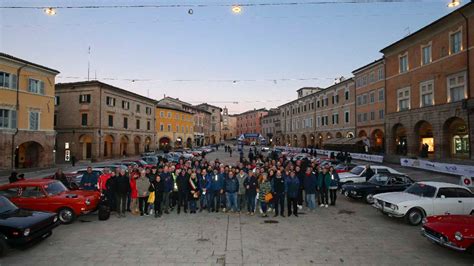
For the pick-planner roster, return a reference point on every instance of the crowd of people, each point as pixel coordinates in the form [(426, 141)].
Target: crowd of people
[(262, 184)]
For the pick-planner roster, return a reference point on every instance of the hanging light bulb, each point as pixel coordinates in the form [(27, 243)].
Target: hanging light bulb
[(190, 11), (50, 11), (454, 3), (236, 9)]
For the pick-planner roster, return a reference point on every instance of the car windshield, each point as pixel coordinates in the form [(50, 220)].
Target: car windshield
[(379, 179), (421, 190), (340, 167), (54, 188), (142, 162), (6, 205), (357, 170)]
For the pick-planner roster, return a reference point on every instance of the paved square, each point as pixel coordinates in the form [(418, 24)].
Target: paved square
[(352, 233)]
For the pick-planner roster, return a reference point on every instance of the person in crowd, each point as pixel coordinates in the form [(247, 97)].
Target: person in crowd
[(222, 198), (300, 175), (310, 184), (368, 172), (334, 185), (241, 176), (324, 180), (59, 175), (89, 180), (132, 205), (143, 187), (194, 192), (279, 188), (204, 186), (183, 190), (158, 187), (293, 185), (231, 185), (167, 179), (122, 189), (230, 151), (174, 193), (264, 188), (251, 185), (110, 191)]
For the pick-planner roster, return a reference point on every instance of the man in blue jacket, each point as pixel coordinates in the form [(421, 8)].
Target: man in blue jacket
[(204, 186), (89, 180), (168, 188), (279, 188), (309, 185), (293, 185), (215, 190), (231, 188)]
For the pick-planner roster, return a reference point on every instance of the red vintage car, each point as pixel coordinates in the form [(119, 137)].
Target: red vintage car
[(139, 163), (452, 231), (52, 196)]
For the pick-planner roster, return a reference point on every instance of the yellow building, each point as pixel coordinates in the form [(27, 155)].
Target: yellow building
[(174, 127), (27, 103)]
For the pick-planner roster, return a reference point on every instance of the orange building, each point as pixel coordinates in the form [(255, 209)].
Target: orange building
[(174, 127)]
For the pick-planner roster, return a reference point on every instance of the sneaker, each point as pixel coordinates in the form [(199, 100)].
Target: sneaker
[(300, 207), (326, 205), (322, 205)]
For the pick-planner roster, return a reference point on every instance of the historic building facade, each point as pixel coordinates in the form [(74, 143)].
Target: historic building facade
[(250, 121), (215, 135), (229, 125), (97, 121), (370, 104), (429, 89), (271, 126), (27, 100)]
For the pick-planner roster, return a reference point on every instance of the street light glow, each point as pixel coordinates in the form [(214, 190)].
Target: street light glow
[(454, 3), (236, 9), (50, 11)]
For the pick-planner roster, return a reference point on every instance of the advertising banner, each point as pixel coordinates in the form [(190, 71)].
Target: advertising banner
[(455, 169)]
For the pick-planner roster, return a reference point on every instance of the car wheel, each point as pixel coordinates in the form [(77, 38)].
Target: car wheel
[(66, 215), (3, 245), (414, 217), (369, 198)]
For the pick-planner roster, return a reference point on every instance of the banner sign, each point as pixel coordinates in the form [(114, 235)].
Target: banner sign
[(455, 169), (355, 156)]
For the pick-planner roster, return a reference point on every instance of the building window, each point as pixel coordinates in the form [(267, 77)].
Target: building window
[(125, 122), (148, 110), (381, 73), (36, 86), (455, 42), (125, 105), (359, 118), (364, 117), (138, 123), (364, 98), (426, 54), (7, 118), (381, 114), (457, 87), (426, 93), (372, 115), (148, 125), (34, 123), (346, 117), (83, 120), (403, 63), (335, 119), (85, 98), (372, 97), (346, 94), (381, 94), (138, 108), (56, 100), (111, 120), (169, 114), (371, 77), (55, 120), (162, 114), (7, 80), (162, 127), (177, 128), (110, 101), (403, 99), (169, 127)]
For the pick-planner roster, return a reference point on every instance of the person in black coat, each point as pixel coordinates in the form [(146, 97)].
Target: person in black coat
[(59, 175), (13, 177), (121, 188), (368, 173), (183, 190), (158, 186)]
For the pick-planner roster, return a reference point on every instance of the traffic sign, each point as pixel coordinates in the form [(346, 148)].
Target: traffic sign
[(67, 155)]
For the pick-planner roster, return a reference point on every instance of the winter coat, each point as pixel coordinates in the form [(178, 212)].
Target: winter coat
[(193, 188), (182, 182), (217, 182), (231, 185), (205, 182), (143, 184), (324, 180), (310, 183), (279, 185), (122, 185), (241, 183), (293, 184), (252, 183), (133, 188), (89, 181), (334, 180), (167, 182), (264, 188)]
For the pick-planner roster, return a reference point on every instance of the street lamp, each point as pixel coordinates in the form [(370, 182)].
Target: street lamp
[(50, 11), (454, 3), (236, 9)]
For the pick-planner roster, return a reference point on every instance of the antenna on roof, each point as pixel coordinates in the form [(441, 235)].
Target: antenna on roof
[(88, 62)]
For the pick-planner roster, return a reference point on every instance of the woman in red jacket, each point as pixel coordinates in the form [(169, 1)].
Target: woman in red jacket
[(134, 192)]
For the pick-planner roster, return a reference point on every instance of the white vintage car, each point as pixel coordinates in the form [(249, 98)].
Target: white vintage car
[(426, 199), (356, 175)]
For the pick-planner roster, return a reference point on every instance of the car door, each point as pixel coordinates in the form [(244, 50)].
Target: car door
[(33, 198), (398, 183), (447, 202), (467, 199)]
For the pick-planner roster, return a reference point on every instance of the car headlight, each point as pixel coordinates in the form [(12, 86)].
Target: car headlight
[(26, 232), (353, 192), (55, 219), (88, 202), (394, 207), (458, 236)]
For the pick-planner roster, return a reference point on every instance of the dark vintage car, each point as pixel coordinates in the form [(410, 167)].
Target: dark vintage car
[(19, 227), (452, 231), (379, 183)]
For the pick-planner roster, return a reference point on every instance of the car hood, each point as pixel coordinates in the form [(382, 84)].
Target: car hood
[(452, 220), (397, 197), (78, 194), (24, 218), (356, 186), (347, 175)]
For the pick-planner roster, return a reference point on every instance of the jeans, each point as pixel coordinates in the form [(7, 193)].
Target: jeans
[(203, 199), (174, 199), (158, 200), (311, 201), (300, 196), (323, 194), (279, 202), (143, 205), (241, 201), (121, 200), (250, 202), (231, 201), (292, 206), (193, 205), (333, 195), (166, 202), (263, 204), (182, 201)]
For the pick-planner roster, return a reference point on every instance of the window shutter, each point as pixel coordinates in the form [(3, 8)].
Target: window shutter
[(13, 119), (41, 87), (13, 81)]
